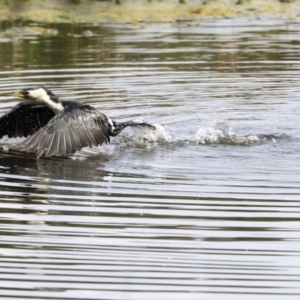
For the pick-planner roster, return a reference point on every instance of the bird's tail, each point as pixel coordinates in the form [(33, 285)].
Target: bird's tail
[(118, 127)]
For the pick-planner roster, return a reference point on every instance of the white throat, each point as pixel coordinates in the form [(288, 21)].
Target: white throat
[(41, 96)]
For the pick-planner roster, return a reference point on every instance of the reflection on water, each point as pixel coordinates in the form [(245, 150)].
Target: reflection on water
[(206, 206)]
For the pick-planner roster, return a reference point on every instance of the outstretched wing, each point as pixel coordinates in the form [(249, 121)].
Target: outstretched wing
[(24, 120), (68, 132)]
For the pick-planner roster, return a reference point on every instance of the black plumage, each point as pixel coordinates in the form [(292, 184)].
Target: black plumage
[(58, 128), (24, 120)]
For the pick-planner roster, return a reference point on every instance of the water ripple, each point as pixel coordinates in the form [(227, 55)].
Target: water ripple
[(205, 206)]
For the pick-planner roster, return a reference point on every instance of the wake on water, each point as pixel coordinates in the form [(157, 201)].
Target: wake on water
[(219, 132)]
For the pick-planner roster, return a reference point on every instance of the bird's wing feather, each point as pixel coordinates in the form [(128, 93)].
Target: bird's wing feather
[(68, 132), (24, 119)]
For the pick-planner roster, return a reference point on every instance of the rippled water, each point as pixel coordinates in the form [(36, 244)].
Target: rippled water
[(205, 207)]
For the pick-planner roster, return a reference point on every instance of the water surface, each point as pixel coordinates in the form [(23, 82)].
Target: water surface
[(207, 206)]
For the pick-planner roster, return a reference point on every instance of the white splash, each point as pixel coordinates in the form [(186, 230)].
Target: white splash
[(143, 136), (221, 133)]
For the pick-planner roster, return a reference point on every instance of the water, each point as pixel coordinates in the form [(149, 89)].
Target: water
[(207, 206)]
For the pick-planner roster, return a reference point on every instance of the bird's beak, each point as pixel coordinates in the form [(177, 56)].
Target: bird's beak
[(18, 95)]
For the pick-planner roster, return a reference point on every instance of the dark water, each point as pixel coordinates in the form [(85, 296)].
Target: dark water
[(205, 207)]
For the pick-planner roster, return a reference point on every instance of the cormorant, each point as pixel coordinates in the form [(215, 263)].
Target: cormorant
[(55, 127)]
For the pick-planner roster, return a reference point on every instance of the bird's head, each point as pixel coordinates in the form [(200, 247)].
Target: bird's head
[(38, 94)]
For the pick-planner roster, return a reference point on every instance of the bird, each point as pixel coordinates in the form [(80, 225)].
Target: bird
[(58, 128)]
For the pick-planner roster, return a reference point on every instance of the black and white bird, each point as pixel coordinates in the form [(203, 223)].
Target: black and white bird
[(55, 127)]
